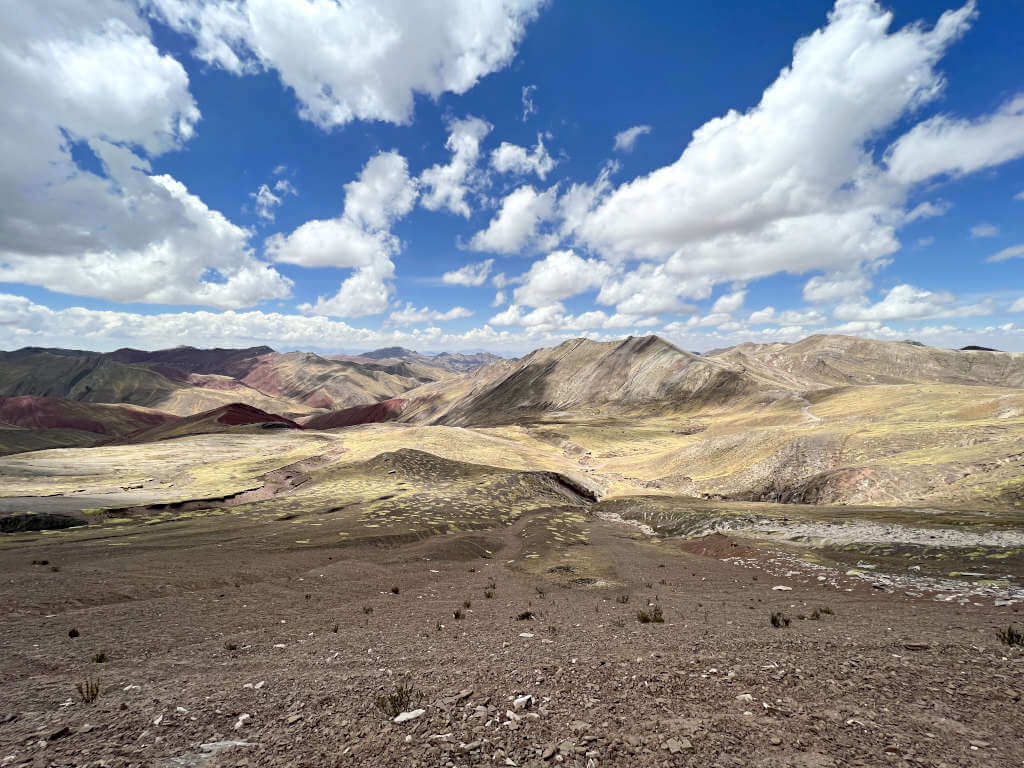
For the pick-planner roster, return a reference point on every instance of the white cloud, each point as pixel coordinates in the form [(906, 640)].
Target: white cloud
[(285, 187), (1018, 305), (515, 226), (649, 290), (266, 202), (448, 185), (87, 75), (984, 230), (626, 140), (928, 210), (1019, 195), (557, 276), (470, 274), (363, 59), (790, 185), (359, 238), (924, 242), (529, 108), (499, 299), (1013, 252), (789, 317), (945, 145), (907, 302), (410, 315), (729, 302), (822, 289), (513, 158)]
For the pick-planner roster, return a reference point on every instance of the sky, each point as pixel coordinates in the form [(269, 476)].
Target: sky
[(464, 175)]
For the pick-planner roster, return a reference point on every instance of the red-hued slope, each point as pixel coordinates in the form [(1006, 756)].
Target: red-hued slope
[(386, 410), (34, 412)]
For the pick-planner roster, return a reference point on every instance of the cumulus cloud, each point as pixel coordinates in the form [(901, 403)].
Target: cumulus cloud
[(729, 302), (1018, 305), (558, 276), (447, 186), (410, 315), (363, 59), (946, 145), (359, 238), (626, 140), (515, 159), (822, 289), (87, 76), (788, 317), (984, 230), (1013, 252), (470, 274), (790, 185), (515, 227), (907, 302)]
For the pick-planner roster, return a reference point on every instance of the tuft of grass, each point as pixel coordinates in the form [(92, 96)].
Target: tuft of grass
[(367, 610), (395, 590), (540, 592), (525, 616), (620, 623), (779, 620), (467, 604), (1011, 636), (622, 599), (88, 690), (488, 593), (652, 616), (100, 658), (73, 632), (826, 610), (459, 615), (335, 628), (403, 698)]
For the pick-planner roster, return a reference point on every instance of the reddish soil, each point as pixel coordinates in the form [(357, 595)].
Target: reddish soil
[(386, 410), (56, 413), (222, 630), (238, 414)]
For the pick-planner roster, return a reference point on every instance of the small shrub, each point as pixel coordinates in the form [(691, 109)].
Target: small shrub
[(73, 632), (553, 629), (1011, 636), (401, 699), (230, 647), (622, 599), (780, 620), (335, 628), (88, 690), (100, 658), (826, 610), (395, 590), (652, 616), (525, 616), (459, 615), (488, 593), (367, 610), (467, 604)]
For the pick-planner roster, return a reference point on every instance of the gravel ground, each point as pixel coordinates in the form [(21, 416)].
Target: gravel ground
[(225, 651)]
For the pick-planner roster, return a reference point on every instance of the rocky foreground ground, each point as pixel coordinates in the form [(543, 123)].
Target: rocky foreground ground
[(208, 649)]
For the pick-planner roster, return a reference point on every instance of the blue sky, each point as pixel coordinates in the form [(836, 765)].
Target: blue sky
[(442, 177)]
